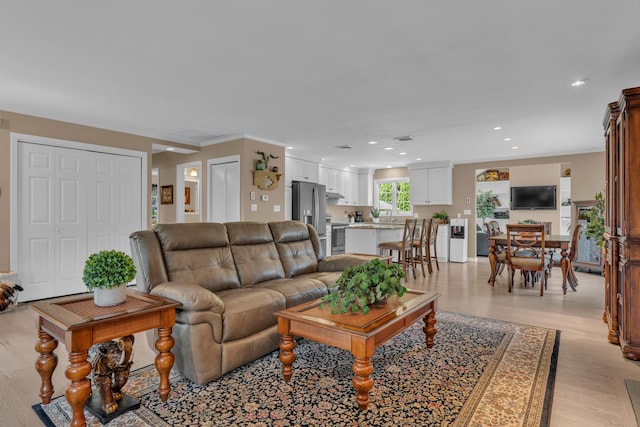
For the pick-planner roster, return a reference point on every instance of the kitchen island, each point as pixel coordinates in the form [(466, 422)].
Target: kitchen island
[(364, 238)]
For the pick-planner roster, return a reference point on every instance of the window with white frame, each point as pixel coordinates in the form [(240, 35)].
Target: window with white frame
[(392, 196)]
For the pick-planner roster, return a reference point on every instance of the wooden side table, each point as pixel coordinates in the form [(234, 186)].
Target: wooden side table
[(79, 323)]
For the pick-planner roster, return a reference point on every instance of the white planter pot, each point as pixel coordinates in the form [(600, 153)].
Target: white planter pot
[(110, 296), (375, 220)]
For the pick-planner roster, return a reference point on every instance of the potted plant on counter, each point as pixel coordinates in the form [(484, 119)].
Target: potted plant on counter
[(107, 274), (362, 285), (375, 214), (441, 216)]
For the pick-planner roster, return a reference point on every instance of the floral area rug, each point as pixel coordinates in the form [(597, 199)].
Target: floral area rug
[(480, 372)]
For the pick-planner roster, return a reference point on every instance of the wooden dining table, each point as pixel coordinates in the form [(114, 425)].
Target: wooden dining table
[(551, 241)]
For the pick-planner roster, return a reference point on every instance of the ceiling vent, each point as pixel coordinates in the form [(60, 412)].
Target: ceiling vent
[(405, 138), (344, 147)]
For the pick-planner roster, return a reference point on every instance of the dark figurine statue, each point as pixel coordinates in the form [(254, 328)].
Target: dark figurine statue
[(110, 366)]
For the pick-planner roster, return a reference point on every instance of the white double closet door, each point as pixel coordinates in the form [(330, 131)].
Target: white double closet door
[(71, 203)]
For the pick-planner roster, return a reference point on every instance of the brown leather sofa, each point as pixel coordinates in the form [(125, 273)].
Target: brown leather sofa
[(230, 279)]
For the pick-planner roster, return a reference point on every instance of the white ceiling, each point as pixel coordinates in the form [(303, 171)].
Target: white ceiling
[(317, 74)]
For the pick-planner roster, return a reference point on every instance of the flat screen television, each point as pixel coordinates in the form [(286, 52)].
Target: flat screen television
[(533, 197)]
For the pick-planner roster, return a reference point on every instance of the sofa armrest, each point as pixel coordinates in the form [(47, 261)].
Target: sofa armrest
[(192, 297), (342, 261)]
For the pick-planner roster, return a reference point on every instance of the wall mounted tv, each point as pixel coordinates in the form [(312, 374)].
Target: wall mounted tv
[(533, 197)]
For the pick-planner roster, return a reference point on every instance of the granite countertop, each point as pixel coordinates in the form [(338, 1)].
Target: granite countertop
[(373, 226)]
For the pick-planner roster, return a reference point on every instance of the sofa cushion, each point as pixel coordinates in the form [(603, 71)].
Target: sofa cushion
[(294, 246), (296, 290), (198, 253), (255, 254), (249, 310)]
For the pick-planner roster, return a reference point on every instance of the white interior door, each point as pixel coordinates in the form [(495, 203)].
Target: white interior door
[(224, 193), (70, 203), (113, 201), (54, 234)]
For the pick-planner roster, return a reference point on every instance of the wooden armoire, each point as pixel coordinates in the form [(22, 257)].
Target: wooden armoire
[(622, 222)]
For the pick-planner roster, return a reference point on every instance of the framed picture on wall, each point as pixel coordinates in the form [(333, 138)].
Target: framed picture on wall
[(166, 195), (187, 195)]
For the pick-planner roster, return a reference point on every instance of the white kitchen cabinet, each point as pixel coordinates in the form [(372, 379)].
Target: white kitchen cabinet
[(365, 187), (301, 170), (341, 181), (431, 185)]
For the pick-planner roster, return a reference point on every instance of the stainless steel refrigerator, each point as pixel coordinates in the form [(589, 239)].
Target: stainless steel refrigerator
[(309, 205)]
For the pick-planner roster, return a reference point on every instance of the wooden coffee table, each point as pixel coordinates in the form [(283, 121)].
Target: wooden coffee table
[(79, 323), (358, 333)]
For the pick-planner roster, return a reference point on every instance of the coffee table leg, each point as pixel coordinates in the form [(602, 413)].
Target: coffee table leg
[(80, 389), (362, 381), (429, 327), (46, 363), (164, 361), (287, 356)]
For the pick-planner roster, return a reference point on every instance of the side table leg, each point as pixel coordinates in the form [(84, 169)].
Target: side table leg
[(46, 363), (164, 361), (287, 356), (429, 327), (362, 381), (80, 389)]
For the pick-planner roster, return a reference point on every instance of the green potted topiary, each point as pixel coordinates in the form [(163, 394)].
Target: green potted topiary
[(107, 273), (362, 285)]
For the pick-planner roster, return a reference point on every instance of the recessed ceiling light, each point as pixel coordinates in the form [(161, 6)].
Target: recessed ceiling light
[(352, 166), (497, 128), (373, 142), (402, 154), (578, 83), (389, 166), (289, 147), (418, 158), (388, 148), (515, 147), (171, 149), (507, 139)]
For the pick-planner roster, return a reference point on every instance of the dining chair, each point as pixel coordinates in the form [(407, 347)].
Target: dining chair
[(433, 248), (421, 246), (572, 280), (526, 252), (493, 229), (404, 247)]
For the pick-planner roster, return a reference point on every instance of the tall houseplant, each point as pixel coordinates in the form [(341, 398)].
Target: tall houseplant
[(595, 223), (485, 207), (362, 285), (107, 274)]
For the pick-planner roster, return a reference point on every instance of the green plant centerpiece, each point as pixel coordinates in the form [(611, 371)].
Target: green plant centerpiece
[(595, 224), (107, 274), (360, 286), (485, 205)]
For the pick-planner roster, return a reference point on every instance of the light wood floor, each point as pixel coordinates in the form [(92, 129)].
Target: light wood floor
[(589, 387)]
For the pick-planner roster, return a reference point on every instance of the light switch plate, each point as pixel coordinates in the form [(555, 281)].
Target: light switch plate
[(252, 195), (254, 207), (265, 197), (276, 208), (467, 211)]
